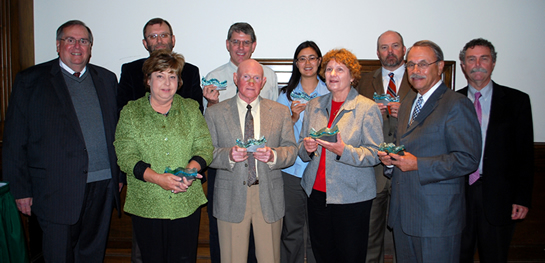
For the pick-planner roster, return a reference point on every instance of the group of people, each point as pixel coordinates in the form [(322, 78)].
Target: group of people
[(74, 136)]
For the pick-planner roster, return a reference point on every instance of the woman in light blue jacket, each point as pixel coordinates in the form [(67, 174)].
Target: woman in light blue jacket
[(303, 86), (339, 178)]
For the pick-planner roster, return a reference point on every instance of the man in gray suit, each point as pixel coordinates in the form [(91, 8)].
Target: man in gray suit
[(249, 187), (388, 79), (442, 138)]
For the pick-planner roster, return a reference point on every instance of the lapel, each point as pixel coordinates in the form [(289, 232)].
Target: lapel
[(232, 119), (428, 108), (377, 82), (61, 90), (497, 107), (266, 125), (405, 87)]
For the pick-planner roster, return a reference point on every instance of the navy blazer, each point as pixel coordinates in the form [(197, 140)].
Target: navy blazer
[(446, 139), (508, 160), (131, 83), (44, 152)]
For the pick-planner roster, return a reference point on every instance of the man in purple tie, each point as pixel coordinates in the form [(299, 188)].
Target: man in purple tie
[(499, 192)]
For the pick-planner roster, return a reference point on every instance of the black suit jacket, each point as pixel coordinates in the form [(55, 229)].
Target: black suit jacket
[(508, 159), (44, 152), (131, 83)]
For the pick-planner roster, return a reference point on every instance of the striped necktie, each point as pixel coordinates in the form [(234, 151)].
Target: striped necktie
[(392, 86)]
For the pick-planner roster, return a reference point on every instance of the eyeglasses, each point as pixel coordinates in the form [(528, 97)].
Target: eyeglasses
[(421, 64), (248, 78), (236, 42), (154, 36), (303, 60), (72, 41)]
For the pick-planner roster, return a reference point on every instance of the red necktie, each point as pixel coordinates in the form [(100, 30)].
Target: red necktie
[(77, 74), (392, 86)]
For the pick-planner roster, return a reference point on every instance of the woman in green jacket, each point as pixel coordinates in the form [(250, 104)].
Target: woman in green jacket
[(157, 131)]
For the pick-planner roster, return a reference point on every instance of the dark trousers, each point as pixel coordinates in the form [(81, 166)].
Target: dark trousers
[(414, 249), (165, 240), (295, 238), (85, 241), (378, 228), (338, 232), (491, 241), (215, 256)]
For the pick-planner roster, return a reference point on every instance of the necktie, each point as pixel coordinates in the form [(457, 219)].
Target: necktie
[(416, 110), (249, 134), (77, 74), (475, 175), (392, 86)]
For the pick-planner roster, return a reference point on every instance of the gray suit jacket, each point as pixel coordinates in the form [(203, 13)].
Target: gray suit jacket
[(370, 83), (446, 139), (230, 187)]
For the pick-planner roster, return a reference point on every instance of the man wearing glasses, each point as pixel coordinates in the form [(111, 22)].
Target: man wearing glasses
[(157, 35), (388, 79), (58, 152), (241, 42), (442, 138), (249, 189)]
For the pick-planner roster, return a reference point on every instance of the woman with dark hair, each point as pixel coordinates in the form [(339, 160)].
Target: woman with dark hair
[(303, 86), (158, 131), (340, 178)]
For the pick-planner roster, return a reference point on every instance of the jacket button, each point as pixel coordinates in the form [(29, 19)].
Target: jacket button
[(84, 171), (243, 182), (245, 165)]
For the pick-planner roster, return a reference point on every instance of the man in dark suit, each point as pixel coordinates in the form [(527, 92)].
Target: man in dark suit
[(389, 79), (439, 130), (58, 149), (249, 188), (157, 35), (500, 191)]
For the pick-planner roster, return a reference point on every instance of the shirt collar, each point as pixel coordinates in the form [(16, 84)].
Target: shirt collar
[(71, 71), (486, 92), (398, 72)]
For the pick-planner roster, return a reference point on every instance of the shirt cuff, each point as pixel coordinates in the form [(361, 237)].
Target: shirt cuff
[(139, 170), (273, 162)]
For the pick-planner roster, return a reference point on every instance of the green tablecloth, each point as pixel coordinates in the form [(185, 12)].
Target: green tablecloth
[(12, 240)]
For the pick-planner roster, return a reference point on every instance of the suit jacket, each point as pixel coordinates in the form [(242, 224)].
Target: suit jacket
[(446, 139), (44, 152), (131, 83), (370, 83), (230, 187), (508, 154)]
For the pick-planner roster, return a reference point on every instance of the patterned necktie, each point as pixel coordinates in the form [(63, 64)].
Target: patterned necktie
[(249, 134), (416, 110), (475, 175), (392, 86), (77, 74)]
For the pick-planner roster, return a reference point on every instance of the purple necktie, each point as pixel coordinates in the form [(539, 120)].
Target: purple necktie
[(249, 134), (475, 175)]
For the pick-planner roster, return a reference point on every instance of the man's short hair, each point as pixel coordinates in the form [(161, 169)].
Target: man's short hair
[(155, 21), (60, 30), (241, 27), (401, 37), (478, 42), (428, 43)]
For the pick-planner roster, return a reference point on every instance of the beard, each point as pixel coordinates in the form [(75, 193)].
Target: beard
[(391, 61)]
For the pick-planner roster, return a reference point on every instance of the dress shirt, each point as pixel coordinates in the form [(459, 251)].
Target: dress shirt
[(225, 73), (298, 168), (257, 125), (486, 102), (398, 77), (425, 97), (71, 71)]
